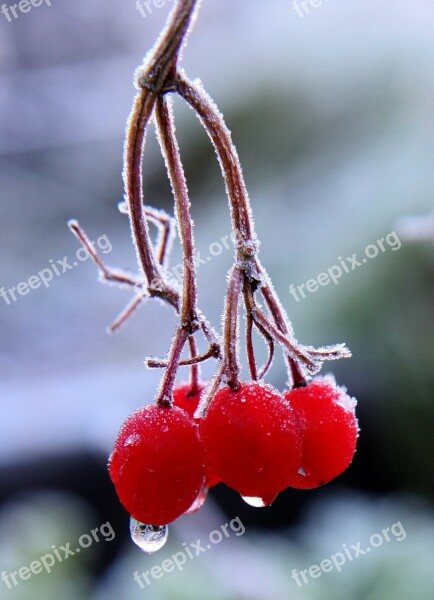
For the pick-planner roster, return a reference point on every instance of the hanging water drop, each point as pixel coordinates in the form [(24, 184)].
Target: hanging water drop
[(149, 538), (255, 502)]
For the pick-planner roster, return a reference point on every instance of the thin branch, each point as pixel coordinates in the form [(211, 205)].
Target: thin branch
[(188, 316), (194, 371), (156, 363), (210, 334), (164, 396), (280, 338), (250, 351), (334, 352), (165, 225), (151, 79), (107, 274), (249, 301), (127, 312), (165, 242), (170, 149), (270, 358), (214, 124), (209, 393), (162, 60), (242, 221), (230, 326)]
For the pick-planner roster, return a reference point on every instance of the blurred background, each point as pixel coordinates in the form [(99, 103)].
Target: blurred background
[(331, 108)]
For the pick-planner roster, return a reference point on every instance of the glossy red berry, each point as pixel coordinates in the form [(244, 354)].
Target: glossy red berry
[(329, 431), (184, 399), (252, 440), (157, 464)]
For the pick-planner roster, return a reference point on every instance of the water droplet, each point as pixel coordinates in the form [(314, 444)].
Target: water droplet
[(149, 538), (200, 500), (133, 440), (302, 472), (255, 502)]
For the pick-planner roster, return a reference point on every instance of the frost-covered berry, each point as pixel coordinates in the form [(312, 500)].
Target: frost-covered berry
[(184, 399), (157, 464), (252, 440), (329, 430)]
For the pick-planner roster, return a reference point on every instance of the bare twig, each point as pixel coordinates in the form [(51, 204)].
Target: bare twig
[(156, 363), (165, 225), (128, 311), (107, 274)]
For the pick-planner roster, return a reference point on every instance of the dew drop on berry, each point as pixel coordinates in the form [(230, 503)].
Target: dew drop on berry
[(255, 502), (133, 440), (149, 538)]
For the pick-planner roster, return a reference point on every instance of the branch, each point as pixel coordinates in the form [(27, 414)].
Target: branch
[(151, 80)]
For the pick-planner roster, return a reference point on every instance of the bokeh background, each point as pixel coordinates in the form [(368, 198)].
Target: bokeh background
[(332, 115)]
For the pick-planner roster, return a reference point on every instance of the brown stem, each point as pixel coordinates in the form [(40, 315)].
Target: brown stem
[(206, 398), (170, 149), (128, 311), (142, 111), (162, 62), (230, 326), (250, 349), (106, 273), (165, 226), (164, 398), (250, 304), (156, 363), (291, 347), (270, 358), (151, 79), (220, 135), (242, 221), (195, 360)]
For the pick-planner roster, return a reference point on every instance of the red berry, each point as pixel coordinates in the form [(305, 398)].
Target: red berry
[(329, 431), (252, 440), (157, 464), (183, 398)]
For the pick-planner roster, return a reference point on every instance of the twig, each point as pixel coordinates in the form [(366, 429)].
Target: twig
[(151, 80), (107, 274)]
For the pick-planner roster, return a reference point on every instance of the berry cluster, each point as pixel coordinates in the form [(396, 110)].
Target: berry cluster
[(245, 434), (255, 440)]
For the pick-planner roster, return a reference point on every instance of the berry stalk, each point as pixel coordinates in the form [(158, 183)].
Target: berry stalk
[(151, 81), (188, 318)]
